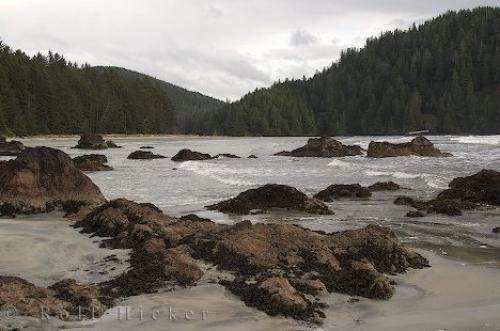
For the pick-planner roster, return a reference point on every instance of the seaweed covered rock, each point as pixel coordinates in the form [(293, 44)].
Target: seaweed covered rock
[(91, 141), (144, 155), (272, 263), (64, 298), (271, 196), (189, 155), (323, 147), (419, 146), (41, 179), (338, 191), (92, 162), (464, 193)]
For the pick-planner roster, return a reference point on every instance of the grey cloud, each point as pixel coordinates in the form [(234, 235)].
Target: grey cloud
[(302, 37)]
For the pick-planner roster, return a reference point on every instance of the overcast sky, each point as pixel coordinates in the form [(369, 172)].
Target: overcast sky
[(223, 48)]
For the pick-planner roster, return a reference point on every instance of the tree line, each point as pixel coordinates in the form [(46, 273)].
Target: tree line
[(443, 76)]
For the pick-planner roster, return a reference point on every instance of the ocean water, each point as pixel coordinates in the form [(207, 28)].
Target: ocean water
[(181, 188)]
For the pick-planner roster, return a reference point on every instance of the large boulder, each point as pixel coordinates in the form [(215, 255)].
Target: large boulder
[(323, 147), (92, 162), (272, 263), (91, 141), (189, 155), (144, 155), (419, 146), (338, 191), (271, 196), (10, 148), (384, 186), (41, 179)]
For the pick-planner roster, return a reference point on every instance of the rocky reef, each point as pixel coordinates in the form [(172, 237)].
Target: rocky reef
[(324, 147), (281, 269), (189, 155), (41, 179), (92, 162), (419, 146), (271, 196)]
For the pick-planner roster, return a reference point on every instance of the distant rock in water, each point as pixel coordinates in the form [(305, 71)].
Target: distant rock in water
[(384, 186), (111, 144), (41, 179), (464, 193), (419, 146), (496, 230), (10, 148), (146, 147), (189, 155), (144, 155), (323, 147), (226, 155), (252, 157), (267, 260), (91, 141), (338, 191), (92, 162), (271, 196)]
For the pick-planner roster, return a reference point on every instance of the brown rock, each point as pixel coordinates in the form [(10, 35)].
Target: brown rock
[(271, 196), (496, 230), (92, 162), (384, 186), (333, 192), (419, 146), (323, 147), (41, 179), (483, 187), (91, 141), (189, 155), (144, 155), (226, 155), (61, 299), (416, 213), (11, 148)]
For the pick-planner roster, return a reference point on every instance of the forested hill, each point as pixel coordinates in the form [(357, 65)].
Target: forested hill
[(49, 95), (188, 105), (443, 75)]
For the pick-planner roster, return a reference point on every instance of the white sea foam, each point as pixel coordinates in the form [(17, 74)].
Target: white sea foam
[(218, 172), (396, 174), (340, 163), (484, 140)]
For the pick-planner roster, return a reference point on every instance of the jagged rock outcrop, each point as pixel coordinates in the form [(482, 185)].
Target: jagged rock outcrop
[(271, 196), (272, 263), (41, 179), (64, 298), (324, 147), (464, 193), (338, 191), (91, 141), (144, 155), (419, 146), (10, 148), (92, 162)]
